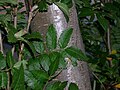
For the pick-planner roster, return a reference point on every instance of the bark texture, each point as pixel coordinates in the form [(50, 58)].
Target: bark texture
[(79, 74)]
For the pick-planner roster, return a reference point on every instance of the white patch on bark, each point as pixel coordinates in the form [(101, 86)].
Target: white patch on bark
[(69, 70), (58, 16)]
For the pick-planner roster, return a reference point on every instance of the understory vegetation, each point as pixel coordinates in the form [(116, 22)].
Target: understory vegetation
[(28, 62)]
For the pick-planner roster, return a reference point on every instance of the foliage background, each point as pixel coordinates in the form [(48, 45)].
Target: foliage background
[(30, 63)]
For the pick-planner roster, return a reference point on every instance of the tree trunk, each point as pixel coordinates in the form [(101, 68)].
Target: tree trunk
[(79, 74)]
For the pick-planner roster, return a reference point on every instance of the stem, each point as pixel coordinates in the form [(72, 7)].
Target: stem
[(15, 25), (8, 84), (27, 30), (44, 88), (94, 85), (28, 5), (108, 41), (1, 43), (109, 44), (98, 80)]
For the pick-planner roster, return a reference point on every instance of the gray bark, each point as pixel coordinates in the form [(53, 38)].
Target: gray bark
[(79, 74)]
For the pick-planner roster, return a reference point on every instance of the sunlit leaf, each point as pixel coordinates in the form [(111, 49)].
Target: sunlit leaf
[(117, 86), (20, 33), (113, 52), (19, 63)]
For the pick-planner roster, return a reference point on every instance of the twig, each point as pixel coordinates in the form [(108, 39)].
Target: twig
[(15, 25), (98, 80), (94, 85), (1, 43), (109, 44), (22, 46), (27, 30), (6, 70)]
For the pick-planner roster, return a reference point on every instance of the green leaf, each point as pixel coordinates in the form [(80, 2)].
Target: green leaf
[(73, 86), (40, 75), (64, 8), (42, 5), (20, 33), (18, 79), (110, 7), (34, 64), (62, 62), (24, 62), (33, 35), (4, 19), (53, 56), (56, 85), (3, 79), (11, 33), (103, 22), (86, 12), (54, 65), (63, 85), (45, 61), (19, 63), (76, 53), (39, 46), (65, 38), (67, 2), (39, 86), (2, 61), (11, 37), (5, 2), (10, 60), (86, 3), (30, 79), (51, 38), (12, 2)]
